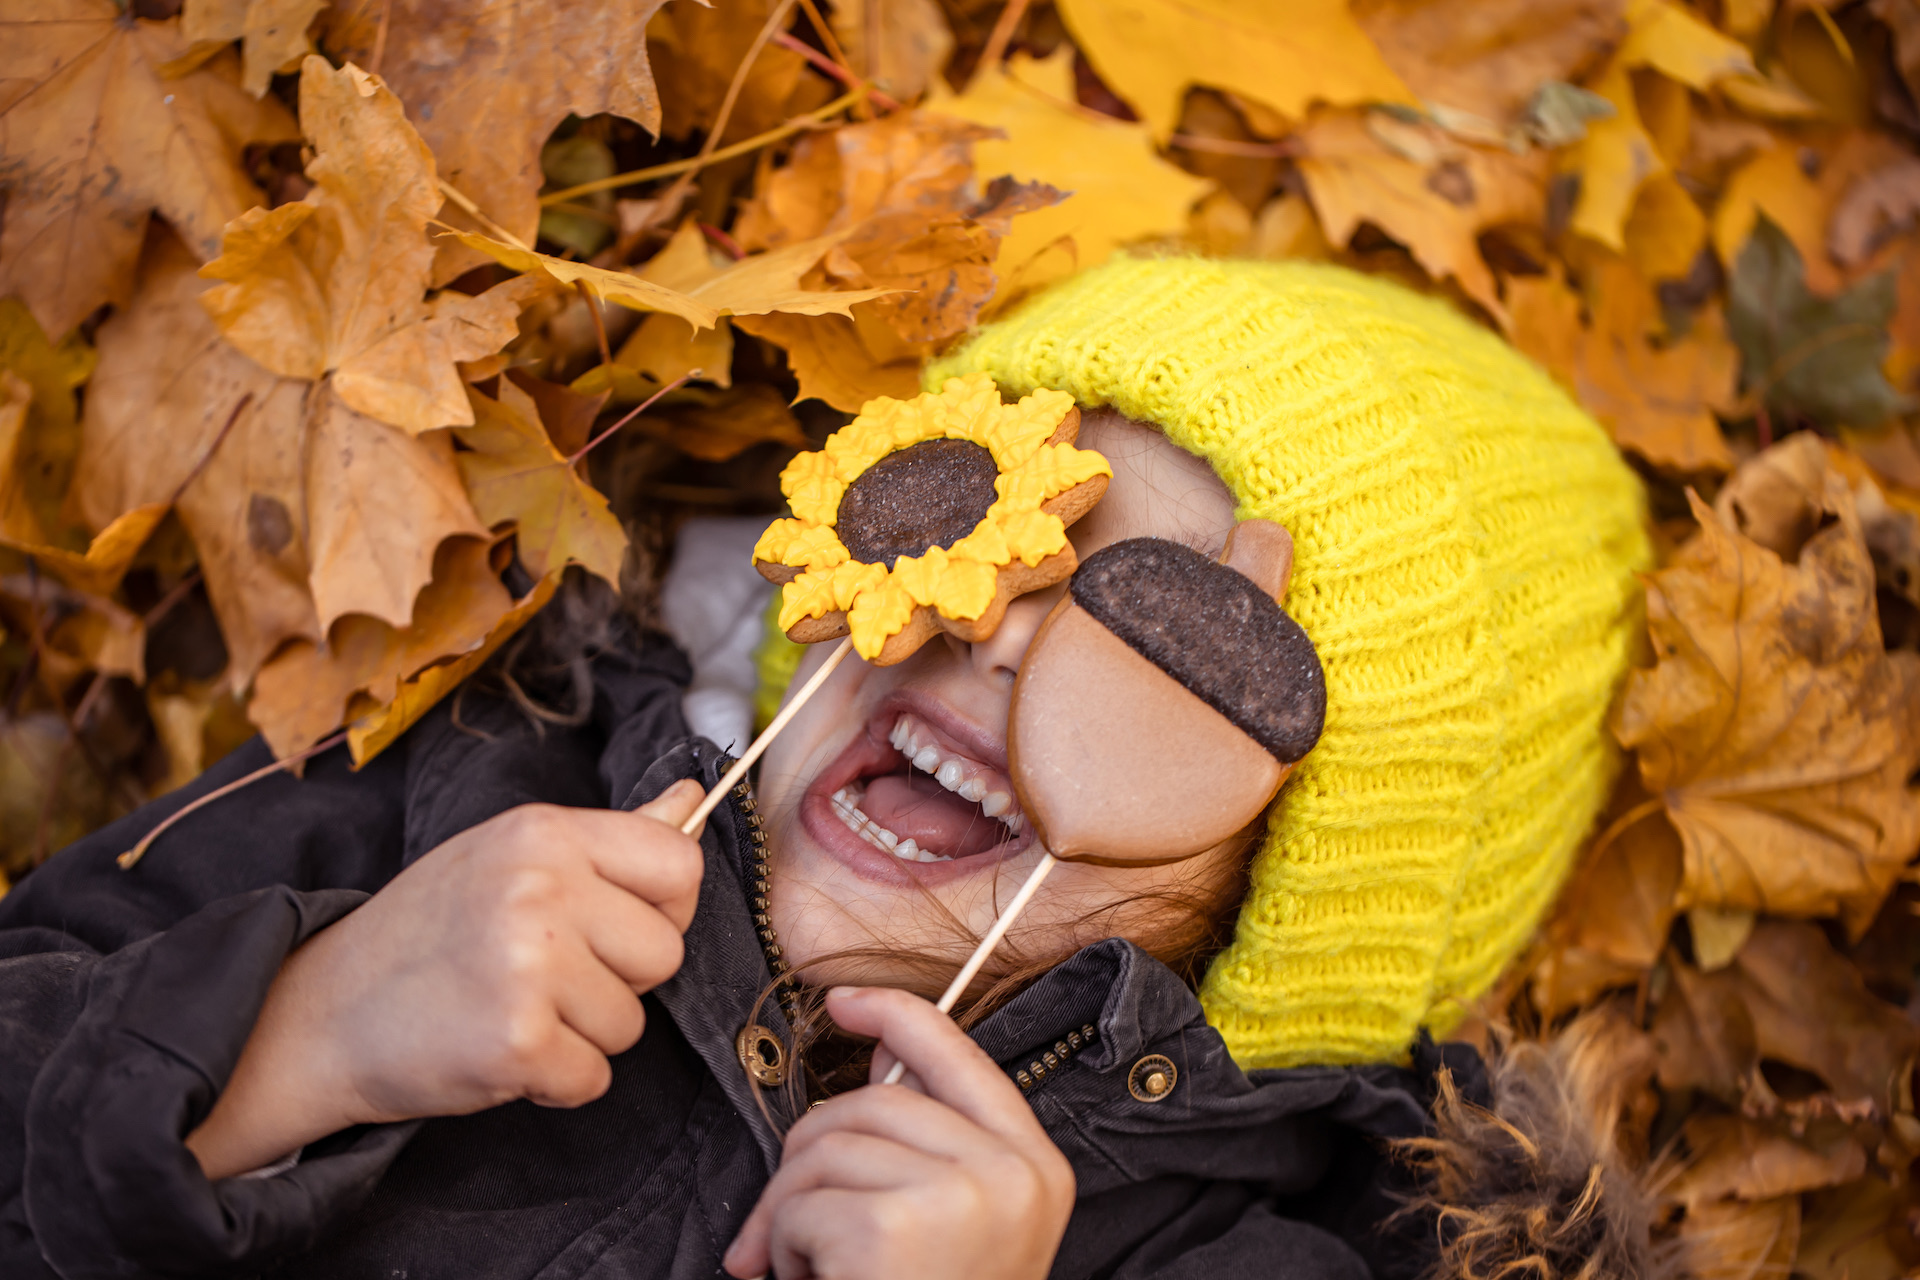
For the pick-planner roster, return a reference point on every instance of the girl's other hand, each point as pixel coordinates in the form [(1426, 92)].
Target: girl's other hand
[(507, 963), (945, 1175)]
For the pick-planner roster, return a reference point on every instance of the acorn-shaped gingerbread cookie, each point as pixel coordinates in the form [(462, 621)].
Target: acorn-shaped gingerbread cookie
[(1164, 700)]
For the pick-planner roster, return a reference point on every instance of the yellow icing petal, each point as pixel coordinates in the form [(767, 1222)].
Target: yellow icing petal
[(966, 588), (808, 596), (919, 576), (798, 543), (877, 616), (1032, 536), (987, 544), (1053, 469)]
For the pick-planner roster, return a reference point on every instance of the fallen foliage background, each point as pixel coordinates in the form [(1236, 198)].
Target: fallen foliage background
[(315, 318)]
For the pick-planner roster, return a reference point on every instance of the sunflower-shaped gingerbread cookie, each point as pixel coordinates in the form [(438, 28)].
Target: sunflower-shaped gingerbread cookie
[(929, 515)]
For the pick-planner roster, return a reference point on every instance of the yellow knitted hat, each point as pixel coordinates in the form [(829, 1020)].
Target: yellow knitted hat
[(1466, 541)]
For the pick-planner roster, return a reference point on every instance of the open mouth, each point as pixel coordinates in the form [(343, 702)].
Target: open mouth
[(916, 794)]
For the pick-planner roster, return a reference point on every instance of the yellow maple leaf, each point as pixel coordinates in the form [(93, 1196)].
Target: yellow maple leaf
[(94, 133), (1433, 194), (513, 473), (1121, 191), (1618, 154), (1288, 54)]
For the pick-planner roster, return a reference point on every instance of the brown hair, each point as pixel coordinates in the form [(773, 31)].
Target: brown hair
[(1193, 927)]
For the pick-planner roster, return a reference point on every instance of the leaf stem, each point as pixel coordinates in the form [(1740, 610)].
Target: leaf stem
[(885, 102), (667, 170), (487, 224), (599, 321), (131, 857), (631, 414), (995, 51)]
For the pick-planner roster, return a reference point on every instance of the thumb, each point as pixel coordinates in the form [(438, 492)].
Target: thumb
[(676, 804)]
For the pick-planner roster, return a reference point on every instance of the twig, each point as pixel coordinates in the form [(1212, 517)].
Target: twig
[(1233, 147), (1002, 35), (379, 54), (722, 241), (599, 321), (132, 856), (487, 224), (741, 148), (985, 949), (825, 32), (633, 413), (206, 458), (670, 199), (767, 735), (165, 604), (884, 101)]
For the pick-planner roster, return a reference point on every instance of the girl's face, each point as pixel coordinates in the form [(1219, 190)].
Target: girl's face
[(920, 749)]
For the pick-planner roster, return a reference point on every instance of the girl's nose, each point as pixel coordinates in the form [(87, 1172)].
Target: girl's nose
[(998, 657)]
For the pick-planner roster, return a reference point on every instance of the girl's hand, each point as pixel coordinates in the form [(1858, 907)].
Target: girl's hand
[(947, 1174), (506, 963)]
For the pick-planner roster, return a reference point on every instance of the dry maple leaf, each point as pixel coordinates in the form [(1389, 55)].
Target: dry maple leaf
[(1615, 913), (900, 199), (514, 474), (335, 284), (486, 85), (698, 49), (1431, 193), (1775, 730), (307, 690), (900, 196), (909, 40), (1619, 154), (1288, 54), (1120, 189), (95, 134), (755, 285), (168, 389), (272, 33), (1656, 401), (1489, 59)]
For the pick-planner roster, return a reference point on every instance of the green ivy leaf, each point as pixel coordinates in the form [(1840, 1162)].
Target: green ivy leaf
[(1802, 355)]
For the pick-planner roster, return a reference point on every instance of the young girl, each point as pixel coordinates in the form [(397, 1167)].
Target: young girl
[(479, 1010)]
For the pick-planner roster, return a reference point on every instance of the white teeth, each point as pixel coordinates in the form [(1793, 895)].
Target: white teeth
[(958, 774), (876, 835)]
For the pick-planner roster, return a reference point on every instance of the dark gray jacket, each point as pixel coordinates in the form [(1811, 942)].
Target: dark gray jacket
[(125, 998)]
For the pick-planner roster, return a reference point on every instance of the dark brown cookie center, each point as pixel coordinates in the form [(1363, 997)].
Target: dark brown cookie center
[(930, 494), (1214, 631)]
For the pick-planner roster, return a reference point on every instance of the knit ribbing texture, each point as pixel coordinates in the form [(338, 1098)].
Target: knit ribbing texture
[(1466, 542)]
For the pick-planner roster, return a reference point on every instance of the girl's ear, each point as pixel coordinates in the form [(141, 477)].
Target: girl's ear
[(1263, 551)]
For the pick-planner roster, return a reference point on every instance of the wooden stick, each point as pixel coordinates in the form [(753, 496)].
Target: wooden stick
[(131, 857), (985, 949), (767, 735)]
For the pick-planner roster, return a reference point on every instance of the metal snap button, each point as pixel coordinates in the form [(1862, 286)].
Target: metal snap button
[(1152, 1078), (761, 1054)]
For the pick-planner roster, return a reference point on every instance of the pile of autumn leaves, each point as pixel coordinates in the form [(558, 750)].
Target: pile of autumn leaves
[(331, 356)]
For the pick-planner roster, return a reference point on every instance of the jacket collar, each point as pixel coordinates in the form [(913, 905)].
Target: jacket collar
[(1093, 1092)]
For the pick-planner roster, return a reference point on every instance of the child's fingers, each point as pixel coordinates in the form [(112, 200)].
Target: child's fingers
[(845, 1161), (951, 1067), (893, 1115), (676, 804)]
